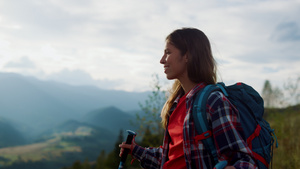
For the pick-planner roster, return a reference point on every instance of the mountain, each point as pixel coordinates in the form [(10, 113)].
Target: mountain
[(9, 135), (53, 124), (26, 103), (110, 118), (36, 105)]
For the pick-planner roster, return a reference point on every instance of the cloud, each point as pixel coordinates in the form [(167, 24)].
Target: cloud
[(270, 69), (287, 31), (79, 77), (118, 45), (23, 63)]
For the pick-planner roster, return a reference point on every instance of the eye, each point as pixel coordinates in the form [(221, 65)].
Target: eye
[(167, 52)]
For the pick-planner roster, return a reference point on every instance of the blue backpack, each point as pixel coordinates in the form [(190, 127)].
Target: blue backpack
[(260, 137)]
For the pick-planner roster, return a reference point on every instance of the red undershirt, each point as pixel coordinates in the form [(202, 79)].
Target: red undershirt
[(175, 128)]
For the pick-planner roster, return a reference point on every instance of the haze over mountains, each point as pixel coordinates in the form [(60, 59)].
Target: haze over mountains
[(30, 107)]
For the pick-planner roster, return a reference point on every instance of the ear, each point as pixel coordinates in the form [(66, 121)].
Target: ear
[(185, 58)]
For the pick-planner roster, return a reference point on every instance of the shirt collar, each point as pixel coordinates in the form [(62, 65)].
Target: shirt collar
[(192, 92)]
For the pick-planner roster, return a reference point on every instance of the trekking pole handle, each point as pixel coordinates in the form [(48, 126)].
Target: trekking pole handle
[(130, 136), (221, 165)]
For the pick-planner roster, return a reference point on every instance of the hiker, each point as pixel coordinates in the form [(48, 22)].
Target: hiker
[(188, 60)]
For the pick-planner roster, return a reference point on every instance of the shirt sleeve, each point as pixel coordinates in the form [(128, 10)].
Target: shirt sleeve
[(149, 158), (228, 132)]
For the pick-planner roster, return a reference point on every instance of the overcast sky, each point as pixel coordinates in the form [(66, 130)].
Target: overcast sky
[(117, 44)]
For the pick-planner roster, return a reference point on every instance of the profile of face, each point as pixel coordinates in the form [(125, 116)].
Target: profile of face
[(175, 64)]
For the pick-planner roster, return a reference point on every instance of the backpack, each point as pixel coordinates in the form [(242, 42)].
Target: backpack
[(260, 137)]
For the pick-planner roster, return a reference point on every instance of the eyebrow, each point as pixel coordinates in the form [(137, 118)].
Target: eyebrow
[(167, 48)]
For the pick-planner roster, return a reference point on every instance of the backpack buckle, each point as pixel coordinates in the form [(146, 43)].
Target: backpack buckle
[(203, 136)]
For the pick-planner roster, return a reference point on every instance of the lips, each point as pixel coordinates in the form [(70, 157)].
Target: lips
[(166, 67)]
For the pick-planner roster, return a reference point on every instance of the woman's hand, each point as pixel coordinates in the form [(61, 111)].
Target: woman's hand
[(128, 146)]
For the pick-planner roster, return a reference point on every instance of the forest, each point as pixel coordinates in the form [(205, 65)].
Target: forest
[(282, 111)]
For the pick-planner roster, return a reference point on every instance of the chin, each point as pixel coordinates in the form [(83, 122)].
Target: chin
[(170, 77)]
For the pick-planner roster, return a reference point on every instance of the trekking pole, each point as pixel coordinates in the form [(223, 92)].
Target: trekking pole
[(130, 136), (221, 165)]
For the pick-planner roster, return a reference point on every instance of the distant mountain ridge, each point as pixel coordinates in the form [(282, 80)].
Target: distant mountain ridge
[(37, 105), (111, 118)]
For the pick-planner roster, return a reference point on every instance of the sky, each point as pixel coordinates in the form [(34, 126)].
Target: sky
[(117, 44)]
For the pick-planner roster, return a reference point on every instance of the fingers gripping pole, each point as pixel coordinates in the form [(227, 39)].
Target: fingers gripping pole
[(130, 136)]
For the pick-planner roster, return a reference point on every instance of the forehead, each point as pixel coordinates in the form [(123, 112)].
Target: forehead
[(169, 45)]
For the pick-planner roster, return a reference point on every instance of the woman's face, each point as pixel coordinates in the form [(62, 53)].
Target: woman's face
[(175, 65)]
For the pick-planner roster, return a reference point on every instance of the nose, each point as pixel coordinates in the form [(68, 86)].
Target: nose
[(163, 59)]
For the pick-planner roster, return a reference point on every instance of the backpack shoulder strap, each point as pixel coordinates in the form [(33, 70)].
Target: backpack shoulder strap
[(200, 119)]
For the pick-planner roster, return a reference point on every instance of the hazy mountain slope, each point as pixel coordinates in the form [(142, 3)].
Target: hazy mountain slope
[(9, 136), (87, 98), (110, 118), (37, 105), (25, 103)]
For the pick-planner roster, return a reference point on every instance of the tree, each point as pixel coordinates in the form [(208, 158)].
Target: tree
[(149, 118), (150, 140), (267, 93), (273, 97), (293, 90), (113, 158), (100, 163), (76, 165), (86, 164)]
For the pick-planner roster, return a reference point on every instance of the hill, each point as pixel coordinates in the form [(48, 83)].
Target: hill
[(36, 105), (9, 135), (27, 104), (59, 147), (110, 118)]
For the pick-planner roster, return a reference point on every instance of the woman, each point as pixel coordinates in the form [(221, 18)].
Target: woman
[(188, 59)]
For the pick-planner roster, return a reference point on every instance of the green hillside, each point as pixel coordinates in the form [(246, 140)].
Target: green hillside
[(110, 118), (61, 146), (47, 150), (286, 123)]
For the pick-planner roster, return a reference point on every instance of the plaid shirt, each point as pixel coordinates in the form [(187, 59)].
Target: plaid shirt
[(224, 123)]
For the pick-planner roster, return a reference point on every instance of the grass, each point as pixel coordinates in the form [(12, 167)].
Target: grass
[(48, 150), (286, 123)]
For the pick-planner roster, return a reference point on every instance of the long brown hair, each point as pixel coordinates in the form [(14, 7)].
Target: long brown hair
[(201, 65)]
